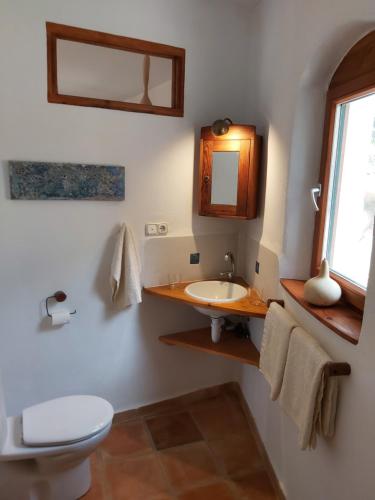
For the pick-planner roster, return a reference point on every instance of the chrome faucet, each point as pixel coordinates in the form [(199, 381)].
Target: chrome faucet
[(229, 257)]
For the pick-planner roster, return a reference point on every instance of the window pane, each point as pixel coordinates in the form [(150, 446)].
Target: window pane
[(351, 211)]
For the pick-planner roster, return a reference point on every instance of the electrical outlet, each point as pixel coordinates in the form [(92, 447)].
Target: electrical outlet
[(155, 228), (257, 267), (151, 229), (163, 228), (194, 258)]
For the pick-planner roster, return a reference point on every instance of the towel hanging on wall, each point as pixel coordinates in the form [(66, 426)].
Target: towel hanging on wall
[(275, 342), (125, 276), (308, 395)]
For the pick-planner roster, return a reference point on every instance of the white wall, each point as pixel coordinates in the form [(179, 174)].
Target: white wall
[(67, 245), (298, 44)]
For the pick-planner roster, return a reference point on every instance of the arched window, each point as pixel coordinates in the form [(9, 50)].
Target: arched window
[(344, 223)]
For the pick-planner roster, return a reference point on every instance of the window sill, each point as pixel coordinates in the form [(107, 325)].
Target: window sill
[(340, 318)]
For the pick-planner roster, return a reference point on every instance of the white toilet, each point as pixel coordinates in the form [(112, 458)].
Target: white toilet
[(44, 454)]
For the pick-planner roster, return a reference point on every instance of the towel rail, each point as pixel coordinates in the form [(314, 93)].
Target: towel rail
[(335, 369), (280, 302), (332, 369)]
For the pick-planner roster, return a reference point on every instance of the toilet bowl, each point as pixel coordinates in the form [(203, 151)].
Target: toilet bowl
[(45, 452)]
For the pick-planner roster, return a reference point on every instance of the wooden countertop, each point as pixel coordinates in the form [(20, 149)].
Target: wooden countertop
[(250, 305)]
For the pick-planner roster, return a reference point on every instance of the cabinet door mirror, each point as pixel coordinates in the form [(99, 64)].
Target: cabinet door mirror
[(90, 68), (228, 172), (224, 177)]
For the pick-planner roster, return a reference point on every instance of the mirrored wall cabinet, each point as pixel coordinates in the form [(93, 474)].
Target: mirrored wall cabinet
[(228, 173)]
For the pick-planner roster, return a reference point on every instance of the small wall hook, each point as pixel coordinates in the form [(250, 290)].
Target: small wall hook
[(59, 296)]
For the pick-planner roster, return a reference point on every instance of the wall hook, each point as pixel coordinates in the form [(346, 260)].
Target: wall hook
[(59, 296)]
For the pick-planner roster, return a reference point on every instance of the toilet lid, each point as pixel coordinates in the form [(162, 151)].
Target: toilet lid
[(65, 420)]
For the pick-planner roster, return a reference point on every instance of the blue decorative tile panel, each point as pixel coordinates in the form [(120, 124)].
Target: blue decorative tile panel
[(30, 180)]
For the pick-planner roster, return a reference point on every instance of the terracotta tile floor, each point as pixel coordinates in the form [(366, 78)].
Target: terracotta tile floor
[(196, 450)]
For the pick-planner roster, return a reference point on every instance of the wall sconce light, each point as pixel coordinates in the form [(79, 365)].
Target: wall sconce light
[(221, 127)]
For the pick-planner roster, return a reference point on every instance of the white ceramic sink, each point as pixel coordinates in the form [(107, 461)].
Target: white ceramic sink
[(216, 291), (219, 292)]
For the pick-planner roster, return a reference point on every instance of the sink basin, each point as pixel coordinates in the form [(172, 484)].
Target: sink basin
[(219, 292), (216, 291)]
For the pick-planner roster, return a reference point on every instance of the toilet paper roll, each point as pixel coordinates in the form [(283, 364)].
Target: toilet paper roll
[(60, 318)]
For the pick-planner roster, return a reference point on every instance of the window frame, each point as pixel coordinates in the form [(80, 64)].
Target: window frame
[(354, 78)]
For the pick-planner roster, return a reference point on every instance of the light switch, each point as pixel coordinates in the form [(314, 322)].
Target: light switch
[(151, 229)]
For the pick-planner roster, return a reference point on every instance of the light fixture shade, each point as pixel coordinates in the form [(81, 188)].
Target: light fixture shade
[(221, 127)]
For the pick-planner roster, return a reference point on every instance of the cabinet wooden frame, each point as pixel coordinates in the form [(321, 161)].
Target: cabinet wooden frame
[(241, 138), (354, 78), (62, 32)]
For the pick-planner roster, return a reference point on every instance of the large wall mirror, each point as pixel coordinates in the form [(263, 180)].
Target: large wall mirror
[(228, 176), (90, 68)]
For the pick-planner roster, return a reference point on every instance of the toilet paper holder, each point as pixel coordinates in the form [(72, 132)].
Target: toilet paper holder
[(59, 296)]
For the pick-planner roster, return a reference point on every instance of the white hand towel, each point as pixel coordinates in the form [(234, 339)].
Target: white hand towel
[(327, 415), (275, 342), (307, 395), (126, 270)]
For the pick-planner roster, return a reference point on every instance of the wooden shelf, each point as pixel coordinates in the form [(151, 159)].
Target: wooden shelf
[(230, 346), (341, 318), (250, 305)]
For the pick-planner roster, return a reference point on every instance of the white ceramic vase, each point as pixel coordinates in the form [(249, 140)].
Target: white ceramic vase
[(322, 290)]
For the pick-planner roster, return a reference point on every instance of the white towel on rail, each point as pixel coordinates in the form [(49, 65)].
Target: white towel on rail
[(275, 342), (307, 395), (126, 270)]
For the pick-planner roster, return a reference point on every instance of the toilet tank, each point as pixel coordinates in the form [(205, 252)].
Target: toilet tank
[(3, 416)]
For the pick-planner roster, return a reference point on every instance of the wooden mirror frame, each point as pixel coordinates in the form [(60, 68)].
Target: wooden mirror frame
[(62, 32)]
